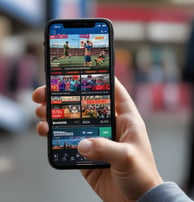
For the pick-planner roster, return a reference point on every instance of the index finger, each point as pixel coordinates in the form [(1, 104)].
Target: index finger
[(123, 101), (39, 95)]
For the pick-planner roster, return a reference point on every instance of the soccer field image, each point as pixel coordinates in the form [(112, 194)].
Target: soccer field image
[(84, 50), (77, 61)]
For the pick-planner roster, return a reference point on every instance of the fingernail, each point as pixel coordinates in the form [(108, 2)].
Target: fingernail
[(85, 146)]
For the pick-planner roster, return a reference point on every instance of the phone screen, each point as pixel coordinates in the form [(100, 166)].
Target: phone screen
[(80, 89)]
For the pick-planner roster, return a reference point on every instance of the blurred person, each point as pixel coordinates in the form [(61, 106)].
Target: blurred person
[(18, 68), (101, 58), (75, 83), (169, 65), (188, 76), (144, 64), (66, 112), (133, 175), (66, 51), (62, 85), (74, 109), (87, 55)]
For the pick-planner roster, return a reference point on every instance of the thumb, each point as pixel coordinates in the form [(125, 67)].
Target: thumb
[(102, 149)]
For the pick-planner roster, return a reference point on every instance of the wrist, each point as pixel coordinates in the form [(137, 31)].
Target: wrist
[(156, 181), (167, 191), (146, 186)]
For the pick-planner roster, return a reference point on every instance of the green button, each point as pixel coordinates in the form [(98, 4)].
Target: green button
[(105, 132)]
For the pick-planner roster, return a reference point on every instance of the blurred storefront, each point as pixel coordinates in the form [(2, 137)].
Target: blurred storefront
[(152, 41)]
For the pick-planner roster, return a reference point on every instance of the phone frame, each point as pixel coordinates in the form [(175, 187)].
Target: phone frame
[(85, 22)]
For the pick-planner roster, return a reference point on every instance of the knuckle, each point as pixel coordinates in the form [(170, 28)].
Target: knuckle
[(127, 158), (37, 111), (128, 153), (99, 145), (135, 124)]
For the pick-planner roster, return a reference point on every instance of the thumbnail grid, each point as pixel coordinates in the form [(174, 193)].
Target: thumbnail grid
[(76, 83), (86, 107)]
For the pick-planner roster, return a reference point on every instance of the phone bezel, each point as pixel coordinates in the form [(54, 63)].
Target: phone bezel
[(80, 23)]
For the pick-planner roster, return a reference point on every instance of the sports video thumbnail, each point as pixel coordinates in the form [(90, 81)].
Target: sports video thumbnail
[(96, 107), (65, 83), (66, 112), (89, 50), (64, 99), (95, 82)]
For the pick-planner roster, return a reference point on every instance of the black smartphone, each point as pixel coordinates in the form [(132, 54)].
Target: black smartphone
[(80, 88)]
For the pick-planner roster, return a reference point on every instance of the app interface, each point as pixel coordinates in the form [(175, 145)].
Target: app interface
[(80, 89)]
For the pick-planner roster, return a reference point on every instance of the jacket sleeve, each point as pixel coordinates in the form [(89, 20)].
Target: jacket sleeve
[(165, 192)]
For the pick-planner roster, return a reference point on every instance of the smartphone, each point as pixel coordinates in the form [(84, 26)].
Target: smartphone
[(80, 88)]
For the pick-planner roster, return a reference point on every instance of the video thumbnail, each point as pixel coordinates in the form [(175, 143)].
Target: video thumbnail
[(95, 107), (95, 82), (66, 112), (89, 50), (65, 83), (64, 99), (68, 138), (66, 143)]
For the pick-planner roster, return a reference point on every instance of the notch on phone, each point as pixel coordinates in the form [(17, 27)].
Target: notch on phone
[(79, 24)]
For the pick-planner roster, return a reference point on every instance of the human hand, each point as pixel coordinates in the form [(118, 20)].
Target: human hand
[(39, 96), (133, 170)]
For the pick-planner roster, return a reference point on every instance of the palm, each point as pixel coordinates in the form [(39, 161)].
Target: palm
[(102, 182), (133, 170)]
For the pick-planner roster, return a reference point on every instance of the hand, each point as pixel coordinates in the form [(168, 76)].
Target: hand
[(133, 170), (39, 96)]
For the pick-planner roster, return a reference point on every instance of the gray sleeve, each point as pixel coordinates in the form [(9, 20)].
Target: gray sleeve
[(166, 192)]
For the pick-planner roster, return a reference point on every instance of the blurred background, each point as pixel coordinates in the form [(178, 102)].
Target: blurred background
[(154, 46)]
